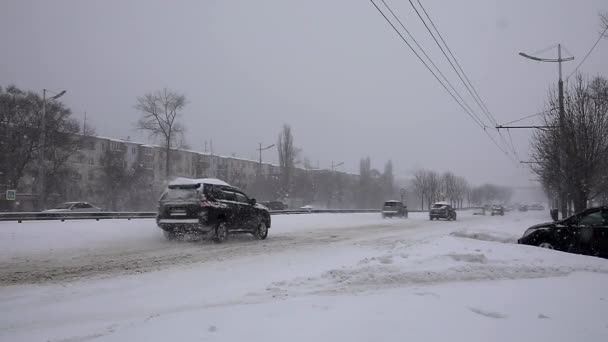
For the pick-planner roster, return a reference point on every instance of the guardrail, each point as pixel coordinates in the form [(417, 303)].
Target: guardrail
[(129, 215), (62, 216), (109, 215)]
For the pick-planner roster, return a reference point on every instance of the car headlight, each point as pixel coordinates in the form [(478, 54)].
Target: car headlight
[(528, 232), (532, 230)]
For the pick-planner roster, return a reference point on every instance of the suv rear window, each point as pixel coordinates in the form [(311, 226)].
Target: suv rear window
[(439, 206), (179, 194), (390, 204)]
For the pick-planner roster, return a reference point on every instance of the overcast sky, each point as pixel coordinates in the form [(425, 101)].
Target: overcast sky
[(332, 69)]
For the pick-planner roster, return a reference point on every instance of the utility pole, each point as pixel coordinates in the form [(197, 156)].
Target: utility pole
[(41, 168), (334, 166), (562, 119), (84, 123), (331, 183), (260, 149)]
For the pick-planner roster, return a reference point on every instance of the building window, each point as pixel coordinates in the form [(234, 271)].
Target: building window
[(133, 150), (115, 146)]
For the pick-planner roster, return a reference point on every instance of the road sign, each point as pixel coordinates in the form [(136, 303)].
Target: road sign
[(11, 195)]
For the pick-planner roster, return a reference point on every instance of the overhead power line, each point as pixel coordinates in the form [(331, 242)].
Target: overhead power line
[(588, 53), (470, 110), (472, 115), (527, 117), (468, 84), (423, 62), (459, 71), (541, 51)]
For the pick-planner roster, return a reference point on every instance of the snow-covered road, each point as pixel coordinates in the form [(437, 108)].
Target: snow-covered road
[(329, 277)]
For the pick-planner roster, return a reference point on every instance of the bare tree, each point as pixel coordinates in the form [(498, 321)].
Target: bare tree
[(604, 24), (365, 182), (449, 190), (572, 160), (433, 187), (420, 185), (388, 179), (287, 158), (461, 189), (160, 111)]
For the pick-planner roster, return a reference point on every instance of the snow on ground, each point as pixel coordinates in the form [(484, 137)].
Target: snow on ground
[(326, 277)]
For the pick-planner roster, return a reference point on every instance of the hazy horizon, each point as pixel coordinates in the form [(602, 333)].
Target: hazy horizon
[(334, 71)]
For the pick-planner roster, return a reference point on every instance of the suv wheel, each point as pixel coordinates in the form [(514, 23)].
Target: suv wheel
[(262, 231), (221, 232), (546, 244), (169, 235)]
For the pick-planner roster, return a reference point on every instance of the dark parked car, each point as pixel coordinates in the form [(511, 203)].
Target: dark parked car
[(585, 233), (274, 205), (210, 206), (442, 210), (394, 209), (523, 208), (498, 210)]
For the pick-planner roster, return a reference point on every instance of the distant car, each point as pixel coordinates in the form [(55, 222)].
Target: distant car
[(538, 207), (442, 210), (307, 207), (212, 207), (74, 207), (394, 209), (523, 208), (584, 233), (274, 205), (498, 210)]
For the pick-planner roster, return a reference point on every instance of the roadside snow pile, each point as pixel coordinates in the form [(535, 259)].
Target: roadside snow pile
[(485, 235), (483, 256)]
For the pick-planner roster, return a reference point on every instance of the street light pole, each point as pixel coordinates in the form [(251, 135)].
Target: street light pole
[(562, 114), (260, 149), (331, 183), (41, 168)]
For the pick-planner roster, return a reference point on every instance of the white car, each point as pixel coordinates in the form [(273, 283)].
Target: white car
[(74, 206), (308, 208)]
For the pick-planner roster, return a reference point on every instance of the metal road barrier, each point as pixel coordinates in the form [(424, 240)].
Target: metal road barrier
[(129, 215), (107, 215)]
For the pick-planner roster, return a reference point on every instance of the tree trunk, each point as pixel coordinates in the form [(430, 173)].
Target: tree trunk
[(167, 159), (422, 202), (580, 201)]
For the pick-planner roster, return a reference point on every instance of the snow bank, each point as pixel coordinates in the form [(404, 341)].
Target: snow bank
[(486, 236), (321, 277)]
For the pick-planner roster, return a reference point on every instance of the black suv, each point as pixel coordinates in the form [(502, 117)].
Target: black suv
[(212, 207), (394, 209), (442, 210), (585, 233)]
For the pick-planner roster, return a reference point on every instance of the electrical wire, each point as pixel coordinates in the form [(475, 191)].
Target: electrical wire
[(544, 50), (471, 116), (588, 53), (432, 63), (527, 117), (427, 67), (469, 85), (570, 54), (512, 144)]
